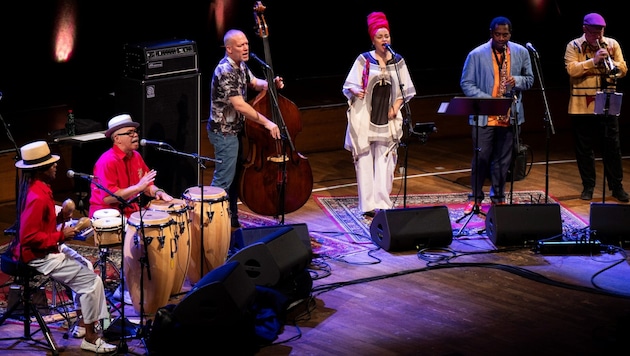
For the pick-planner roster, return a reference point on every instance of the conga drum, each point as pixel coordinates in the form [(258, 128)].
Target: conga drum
[(210, 228), (178, 211), (158, 230)]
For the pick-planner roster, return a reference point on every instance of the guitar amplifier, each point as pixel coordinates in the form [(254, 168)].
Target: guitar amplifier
[(160, 59)]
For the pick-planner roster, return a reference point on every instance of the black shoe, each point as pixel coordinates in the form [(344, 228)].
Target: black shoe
[(235, 222), (587, 194), (370, 213), (621, 195)]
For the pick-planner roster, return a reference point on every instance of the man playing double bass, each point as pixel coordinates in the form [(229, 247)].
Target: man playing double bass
[(229, 109)]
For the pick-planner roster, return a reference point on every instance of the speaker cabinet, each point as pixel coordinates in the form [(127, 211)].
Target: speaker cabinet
[(244, 237), (413, 228), (168, 111), (277, 257), (516, 224), (225, 292), (219, 309), (610, 223)]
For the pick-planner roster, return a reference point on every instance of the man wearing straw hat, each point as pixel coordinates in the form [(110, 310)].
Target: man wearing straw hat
[(38, 241)]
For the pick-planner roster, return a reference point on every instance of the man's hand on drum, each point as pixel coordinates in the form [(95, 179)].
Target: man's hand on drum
[(162, 195)]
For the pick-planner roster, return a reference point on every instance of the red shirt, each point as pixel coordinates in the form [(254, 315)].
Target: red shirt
[(38, 224), (114, 170)]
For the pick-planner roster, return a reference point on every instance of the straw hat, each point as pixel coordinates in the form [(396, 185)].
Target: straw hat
[(118, 122), (36, 154)]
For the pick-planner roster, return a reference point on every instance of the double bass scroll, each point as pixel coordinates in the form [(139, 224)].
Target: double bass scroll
[(276, 179)]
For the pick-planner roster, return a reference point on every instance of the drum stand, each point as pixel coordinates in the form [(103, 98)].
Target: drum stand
[(101, 264)]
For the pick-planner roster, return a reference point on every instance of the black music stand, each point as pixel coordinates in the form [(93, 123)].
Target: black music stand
[(607, 104), (477, 106)]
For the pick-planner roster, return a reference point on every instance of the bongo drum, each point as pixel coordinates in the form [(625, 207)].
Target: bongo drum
[(158, 230), (178, 211), (108, 231), (210, 218), (105, 213)]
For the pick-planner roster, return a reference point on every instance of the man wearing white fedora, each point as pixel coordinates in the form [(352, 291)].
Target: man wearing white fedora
[(38, 240), (122, 170)]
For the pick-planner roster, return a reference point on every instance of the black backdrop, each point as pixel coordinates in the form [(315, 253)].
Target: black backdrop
[(312, 44)]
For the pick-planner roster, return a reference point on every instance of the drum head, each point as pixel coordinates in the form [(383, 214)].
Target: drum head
[(107, 224), (149, 218), (210, 193), (105, 213), (173, 206)]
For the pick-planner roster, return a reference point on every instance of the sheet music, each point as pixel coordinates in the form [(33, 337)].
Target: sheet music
[(92, 136)]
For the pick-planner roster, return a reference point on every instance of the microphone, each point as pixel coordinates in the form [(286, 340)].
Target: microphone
[(72, 174), (144, 142), (262, 63), (389, 48), (531, 48)]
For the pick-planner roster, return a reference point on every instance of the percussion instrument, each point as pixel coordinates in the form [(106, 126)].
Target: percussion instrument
[(210, 228), (152, 231), (178, 211), (105, 213), (107, 231)]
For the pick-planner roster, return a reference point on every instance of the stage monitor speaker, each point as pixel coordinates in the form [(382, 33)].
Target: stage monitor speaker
[(518, 224), (413, 228), (244, 237), (168, 111), (222, 293), (277, 257), (610, 223)]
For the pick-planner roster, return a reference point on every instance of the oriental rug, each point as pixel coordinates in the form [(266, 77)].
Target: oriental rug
[(344, 212)]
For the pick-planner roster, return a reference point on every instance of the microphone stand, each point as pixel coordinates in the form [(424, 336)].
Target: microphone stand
[(407, 129), (200, 163), (122, 347), (284, 135), (548, 123)]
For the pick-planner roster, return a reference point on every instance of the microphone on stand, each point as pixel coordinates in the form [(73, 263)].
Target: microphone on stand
[(532, 49), (262, 63), (389, 48), (144, 142), (72, 174)]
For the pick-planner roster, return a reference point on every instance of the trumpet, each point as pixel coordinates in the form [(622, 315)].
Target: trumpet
[(608, 62)]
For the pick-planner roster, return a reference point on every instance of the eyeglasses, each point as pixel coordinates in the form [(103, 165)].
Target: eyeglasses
[(128, 133)]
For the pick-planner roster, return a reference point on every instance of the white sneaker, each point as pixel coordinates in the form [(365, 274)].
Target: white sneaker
[(99, 346), (127, 297)]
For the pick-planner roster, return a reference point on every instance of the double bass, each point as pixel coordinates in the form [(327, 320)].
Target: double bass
[(275, 179)]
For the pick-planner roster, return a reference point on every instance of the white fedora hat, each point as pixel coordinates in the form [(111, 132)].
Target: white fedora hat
[(36, 154), (118, 122)]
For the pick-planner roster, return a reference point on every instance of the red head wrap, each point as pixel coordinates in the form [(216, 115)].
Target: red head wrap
[(375, 21)]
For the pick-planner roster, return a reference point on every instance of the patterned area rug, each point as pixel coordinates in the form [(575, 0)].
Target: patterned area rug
[(345, 213), (323, 245)]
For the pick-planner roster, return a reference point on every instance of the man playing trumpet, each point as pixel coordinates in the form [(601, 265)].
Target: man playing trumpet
[(594, 63)]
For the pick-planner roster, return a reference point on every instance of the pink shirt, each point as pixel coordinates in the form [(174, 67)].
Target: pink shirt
[(114, 170), (38, 224)]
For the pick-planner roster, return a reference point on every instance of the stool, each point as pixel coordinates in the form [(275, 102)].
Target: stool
[(23, 275)]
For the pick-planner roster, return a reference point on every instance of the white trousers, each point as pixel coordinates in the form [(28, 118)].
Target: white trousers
[(87, 285), (375, 176)]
